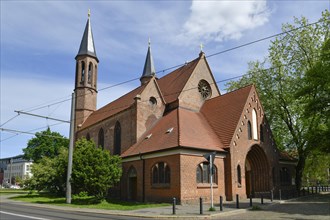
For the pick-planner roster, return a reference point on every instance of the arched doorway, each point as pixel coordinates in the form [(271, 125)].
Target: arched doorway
[(132, 184), (256, 171)]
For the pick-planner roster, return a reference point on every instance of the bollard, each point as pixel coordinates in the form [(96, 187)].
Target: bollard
[(280, 192), (271, 195), (174, 203), (250, 200), (221, 208), (237, 201), (201, 206), (262, 199)]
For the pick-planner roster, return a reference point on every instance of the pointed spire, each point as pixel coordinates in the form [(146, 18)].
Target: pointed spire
[(87, 43), (149, 68)]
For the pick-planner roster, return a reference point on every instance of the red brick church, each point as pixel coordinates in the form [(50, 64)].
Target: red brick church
[(163, 128)]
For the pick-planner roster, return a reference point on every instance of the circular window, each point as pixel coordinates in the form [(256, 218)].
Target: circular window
[(204, 89), (153, 101)]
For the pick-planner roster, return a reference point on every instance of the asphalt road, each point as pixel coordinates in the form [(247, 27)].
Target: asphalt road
[(14, 211)]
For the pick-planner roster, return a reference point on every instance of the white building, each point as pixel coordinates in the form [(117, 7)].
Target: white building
[(17, 167)]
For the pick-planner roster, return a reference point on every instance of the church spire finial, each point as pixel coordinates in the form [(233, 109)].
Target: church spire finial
[(89, 13), (149, 68)]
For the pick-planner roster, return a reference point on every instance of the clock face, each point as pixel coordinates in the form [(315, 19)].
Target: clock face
[(204, 89)]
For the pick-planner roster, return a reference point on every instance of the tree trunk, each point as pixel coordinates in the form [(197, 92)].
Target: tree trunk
[(299, 171)]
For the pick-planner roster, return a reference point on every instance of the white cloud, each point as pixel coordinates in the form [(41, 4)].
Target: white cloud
[(222, 20)]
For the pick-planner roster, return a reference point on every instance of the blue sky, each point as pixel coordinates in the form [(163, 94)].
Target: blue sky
[(40, 39)]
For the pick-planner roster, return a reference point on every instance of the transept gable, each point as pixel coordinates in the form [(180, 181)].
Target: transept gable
[(199, 87)]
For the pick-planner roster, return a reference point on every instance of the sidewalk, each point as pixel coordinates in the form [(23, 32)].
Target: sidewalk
[(165, 212)]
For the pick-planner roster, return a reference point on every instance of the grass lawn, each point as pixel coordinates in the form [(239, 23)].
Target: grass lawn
[(85, 202), (12, 191)]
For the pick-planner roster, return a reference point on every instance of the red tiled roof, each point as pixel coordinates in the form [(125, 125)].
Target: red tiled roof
[(285, 156), (113, 108), (190, 130), (172, 84), (223, 113)]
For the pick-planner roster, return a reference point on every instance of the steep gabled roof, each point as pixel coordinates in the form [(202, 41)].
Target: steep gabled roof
[(179, 128), (172, 84), (223, 112), (113, 108)]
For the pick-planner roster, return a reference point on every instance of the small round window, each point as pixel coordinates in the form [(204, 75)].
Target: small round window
[(204, 89), (153, 101)]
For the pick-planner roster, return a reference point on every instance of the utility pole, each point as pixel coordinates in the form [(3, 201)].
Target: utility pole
[(72, 122), (11, 170)]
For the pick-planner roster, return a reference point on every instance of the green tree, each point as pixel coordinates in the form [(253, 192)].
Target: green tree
[(290, 56), (94, 170), (45, 144), (316, 94), (49, 174)]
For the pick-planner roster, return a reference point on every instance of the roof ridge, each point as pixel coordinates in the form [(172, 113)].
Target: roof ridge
[(236, 90)]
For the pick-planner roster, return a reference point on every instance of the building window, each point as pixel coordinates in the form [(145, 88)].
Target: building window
[(82, 72), (153, 101), (239, 176), (161, 174), (88, 137), (249, 130), (204, 89), (285, 176), (101, 138), (117, 139), (254, 124), (203, 173), (90, 72)]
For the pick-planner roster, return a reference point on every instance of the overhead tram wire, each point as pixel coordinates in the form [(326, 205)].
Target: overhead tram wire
[(35, 129), (179, 65), (123, 106), (217, 82)]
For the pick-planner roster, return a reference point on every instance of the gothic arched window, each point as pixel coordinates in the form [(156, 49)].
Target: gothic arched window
[(101, 138), (249, 130), (90, 72), (203, 174), (239, 176), (161, 173), (82, 72), (117, 139), (254, 124), (88, 137)]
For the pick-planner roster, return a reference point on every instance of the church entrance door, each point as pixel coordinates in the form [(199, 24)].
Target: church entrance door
[(132, 184), (256, 172)]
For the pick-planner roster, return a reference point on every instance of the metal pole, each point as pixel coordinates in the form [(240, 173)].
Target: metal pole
[(237, 201), (211, 179), (72, 122), (250, 200), (174, 203), (271, 195), (201, 206), (11, 169), (221, 203), (262, 199), (280, 192)]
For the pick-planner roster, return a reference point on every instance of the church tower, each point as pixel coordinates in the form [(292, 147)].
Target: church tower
[(86, 77)]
